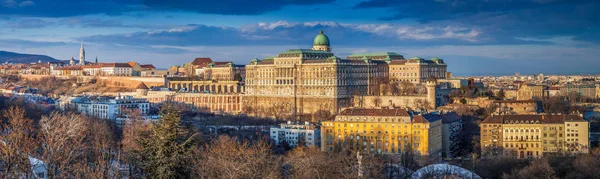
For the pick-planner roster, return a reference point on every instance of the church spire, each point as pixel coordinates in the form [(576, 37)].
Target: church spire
[(96, 60), (82, 54)]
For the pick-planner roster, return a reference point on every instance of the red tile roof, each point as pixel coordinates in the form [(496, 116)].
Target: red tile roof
[(374, 112), (68, 68), (147, 66), (131, 64), (554, 88), (115, 65), (516, 101), (142, 86), (202, 62), (533, 118), (419, 119)]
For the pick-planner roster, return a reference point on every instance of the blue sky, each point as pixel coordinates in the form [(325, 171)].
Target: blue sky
[(473, 36)]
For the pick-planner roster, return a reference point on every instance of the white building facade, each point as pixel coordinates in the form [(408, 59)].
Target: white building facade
[(110, 108), (292, 133)]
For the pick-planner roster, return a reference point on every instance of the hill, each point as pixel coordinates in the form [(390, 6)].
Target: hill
[(24, 58)]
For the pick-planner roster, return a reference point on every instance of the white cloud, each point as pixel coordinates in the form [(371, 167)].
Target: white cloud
[(26, 3)]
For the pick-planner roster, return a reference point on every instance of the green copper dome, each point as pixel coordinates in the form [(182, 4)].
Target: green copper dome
[(321, 39)]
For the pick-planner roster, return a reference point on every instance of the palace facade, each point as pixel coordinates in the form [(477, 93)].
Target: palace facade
[(417, 70), (309, 80)]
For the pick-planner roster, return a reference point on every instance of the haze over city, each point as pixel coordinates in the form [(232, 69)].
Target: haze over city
[(476, 37)]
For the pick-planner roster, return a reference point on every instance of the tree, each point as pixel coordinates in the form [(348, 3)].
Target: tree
[(377, 101), (321, 115), (133, 131), (227, 157), (537, 169), (17, 143), (61, 138), (500, 94), (165, 152)]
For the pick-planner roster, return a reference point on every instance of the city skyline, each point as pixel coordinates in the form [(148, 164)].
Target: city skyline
[(537, 36)]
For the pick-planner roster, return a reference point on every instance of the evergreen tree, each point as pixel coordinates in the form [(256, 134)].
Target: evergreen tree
[(166, 149)]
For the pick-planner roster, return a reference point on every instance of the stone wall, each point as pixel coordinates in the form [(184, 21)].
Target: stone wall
[(112, 81)]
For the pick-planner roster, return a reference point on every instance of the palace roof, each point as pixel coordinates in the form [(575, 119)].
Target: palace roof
[(390, 56), (398, 62)]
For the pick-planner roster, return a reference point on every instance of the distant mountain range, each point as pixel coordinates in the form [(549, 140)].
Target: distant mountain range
[(12, 57)]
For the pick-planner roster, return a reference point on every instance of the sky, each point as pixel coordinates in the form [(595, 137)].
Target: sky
[(474, 37)]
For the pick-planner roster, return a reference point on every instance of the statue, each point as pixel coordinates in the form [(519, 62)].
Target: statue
[(359, 158)]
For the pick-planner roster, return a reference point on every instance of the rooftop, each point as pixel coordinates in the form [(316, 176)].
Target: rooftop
[(374, 112), (533, 119)]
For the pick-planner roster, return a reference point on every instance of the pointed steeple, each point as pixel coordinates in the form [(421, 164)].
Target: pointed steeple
[(82, 54), (96, 60)]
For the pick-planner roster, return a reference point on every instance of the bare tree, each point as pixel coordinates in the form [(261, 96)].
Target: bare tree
[(17, 144), (61, 138), (227, 157), (537, 169)]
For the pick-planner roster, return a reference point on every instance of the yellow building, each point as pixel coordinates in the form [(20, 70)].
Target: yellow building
[(531, 136), (384, 131), (528, 91)]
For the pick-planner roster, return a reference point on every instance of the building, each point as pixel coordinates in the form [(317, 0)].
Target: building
[(67, 71), (222, 71), (532, 136), (148, 70), (120, 121), (455, 83), (309, 80), (136, 69), (203, 102), (417, 70), (588, 91), (451, 127), (108, 69), (529, 91), (384, 131), (517, 106), (292, 133), (116, 69), (384, 56), (81, 55), (429, 100), (108, 107), (553, 91)]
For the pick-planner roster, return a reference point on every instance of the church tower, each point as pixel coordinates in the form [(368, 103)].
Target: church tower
[(81, 54), (321, 42)]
